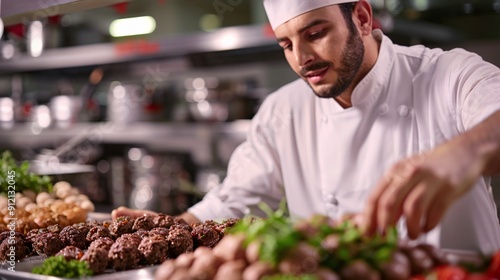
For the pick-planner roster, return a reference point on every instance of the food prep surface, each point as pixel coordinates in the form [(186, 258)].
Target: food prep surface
[(23, 272)]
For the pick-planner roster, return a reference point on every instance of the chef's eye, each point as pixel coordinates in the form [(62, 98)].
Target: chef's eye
[(287, 47), (316, 35)]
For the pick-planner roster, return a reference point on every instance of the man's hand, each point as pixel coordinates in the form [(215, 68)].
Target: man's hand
[(133, 213), (422, 187)]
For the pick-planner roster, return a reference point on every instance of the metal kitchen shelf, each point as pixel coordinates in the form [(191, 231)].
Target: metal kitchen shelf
[(15, 11), (225, 39), (197, 138)]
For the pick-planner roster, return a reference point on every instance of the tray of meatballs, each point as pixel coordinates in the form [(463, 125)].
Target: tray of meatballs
[(56, 235), (166, 247), (124, 248)]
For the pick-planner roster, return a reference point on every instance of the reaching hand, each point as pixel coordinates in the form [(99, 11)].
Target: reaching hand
[(422, 187), (133, 213)]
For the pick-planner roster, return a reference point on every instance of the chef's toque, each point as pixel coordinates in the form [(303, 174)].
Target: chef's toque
[(281, 11)]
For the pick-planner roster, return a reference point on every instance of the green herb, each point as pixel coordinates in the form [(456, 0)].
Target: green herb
[(19, 178), (58, 266), (276, 235)]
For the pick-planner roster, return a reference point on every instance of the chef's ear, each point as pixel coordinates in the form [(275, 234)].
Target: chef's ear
[(363, 16)]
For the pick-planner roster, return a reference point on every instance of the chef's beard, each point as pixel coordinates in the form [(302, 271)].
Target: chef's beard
[(352, 57)]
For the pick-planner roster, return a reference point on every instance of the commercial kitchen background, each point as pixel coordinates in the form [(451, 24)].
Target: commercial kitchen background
[(149, 121)]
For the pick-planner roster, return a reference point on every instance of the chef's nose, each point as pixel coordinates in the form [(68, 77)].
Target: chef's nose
[(303, 54)]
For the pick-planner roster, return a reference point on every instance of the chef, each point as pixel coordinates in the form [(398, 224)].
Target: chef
[(406, 136)]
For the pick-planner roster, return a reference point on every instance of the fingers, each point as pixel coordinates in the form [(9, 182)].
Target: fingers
[(370, 212), (417, 205), (133, 213), (392, 200), (384, 206), (437, 209)]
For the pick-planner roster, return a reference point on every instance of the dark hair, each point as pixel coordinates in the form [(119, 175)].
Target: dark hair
[(346, 9)]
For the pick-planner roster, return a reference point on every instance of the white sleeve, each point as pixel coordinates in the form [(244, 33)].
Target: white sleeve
[(478, 91), (254, 175)]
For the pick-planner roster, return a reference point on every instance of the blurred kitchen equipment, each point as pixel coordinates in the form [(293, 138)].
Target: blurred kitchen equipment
[(82, 176), (40, 118), (6, 112), (35, 39), (125, 103), (209, 178), (65, 110), (10, 107), (161, 181), (90, 110), (9, 49), (218, 100)]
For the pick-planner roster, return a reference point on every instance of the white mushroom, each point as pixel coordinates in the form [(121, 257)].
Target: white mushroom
[(30, 207), (87, 205), (22, 202), (41, 197)]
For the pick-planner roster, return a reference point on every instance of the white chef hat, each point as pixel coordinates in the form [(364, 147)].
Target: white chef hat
[(281, 11)]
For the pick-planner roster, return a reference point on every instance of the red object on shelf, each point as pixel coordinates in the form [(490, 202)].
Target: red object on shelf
[(137, 47), (121, 8), (55, 19), (16, 29)]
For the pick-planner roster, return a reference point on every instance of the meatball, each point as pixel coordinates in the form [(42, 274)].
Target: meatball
[(103, 243), (55, 228), (162, 220), (94, 223), (4, 235), (123, 255), (48, 244), (154, 249), (229, 223), (97, 232), (179, 242), (72, 236), (130, 238), (20, 250), (205, 235), (159, 231), (121, 226), (71, 253), (144, 222), (32, 234), (182, 226), (84, 227), (142, 233), (96, 259)]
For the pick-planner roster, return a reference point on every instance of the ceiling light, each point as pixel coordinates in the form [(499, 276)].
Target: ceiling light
[(132, 26)]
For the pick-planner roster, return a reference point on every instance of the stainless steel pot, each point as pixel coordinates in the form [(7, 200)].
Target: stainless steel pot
[(125, 103), (215, 100), (158, 181)]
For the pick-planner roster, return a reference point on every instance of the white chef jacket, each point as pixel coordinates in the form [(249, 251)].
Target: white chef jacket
[(326, 159)]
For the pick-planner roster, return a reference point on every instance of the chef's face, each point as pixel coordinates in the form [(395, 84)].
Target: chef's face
[(324, 49)]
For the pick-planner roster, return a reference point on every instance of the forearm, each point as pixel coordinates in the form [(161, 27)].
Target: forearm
[(484, 139)]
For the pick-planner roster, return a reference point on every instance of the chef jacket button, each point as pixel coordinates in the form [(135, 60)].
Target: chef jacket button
[(403, 110), (384, 109), (332, 199), (325, 119)]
